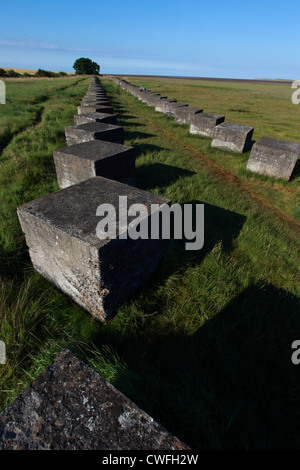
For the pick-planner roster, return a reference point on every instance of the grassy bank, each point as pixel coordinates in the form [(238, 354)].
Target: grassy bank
[(205, 346)]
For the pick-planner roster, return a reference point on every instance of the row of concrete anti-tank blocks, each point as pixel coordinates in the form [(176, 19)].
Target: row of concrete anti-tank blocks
[(271, 157), (60, 229), (94, 169)]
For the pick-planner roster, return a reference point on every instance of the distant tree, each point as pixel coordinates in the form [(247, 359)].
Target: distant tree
[(2, 73), (44, 73), (84, 66), (12, 73)]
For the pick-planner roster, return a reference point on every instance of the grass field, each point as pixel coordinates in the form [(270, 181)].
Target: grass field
[(205, 346)]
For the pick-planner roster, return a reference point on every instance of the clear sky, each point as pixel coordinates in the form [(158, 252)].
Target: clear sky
[(226, 39)]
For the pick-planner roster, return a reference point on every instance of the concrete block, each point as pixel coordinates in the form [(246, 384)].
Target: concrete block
[(96, 89), (95, 158), (94, 98), (274, 157), (94, 131), (143, 95), (95, 117), (183, 114), (61, 234), (159, 104), (95, 93), (151, 98), (204, 124), (232, 137), (95, 109), (70, 406), (95, 102), (169, 108)]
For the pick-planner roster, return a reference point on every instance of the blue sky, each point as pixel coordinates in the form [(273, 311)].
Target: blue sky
[(226, 39)]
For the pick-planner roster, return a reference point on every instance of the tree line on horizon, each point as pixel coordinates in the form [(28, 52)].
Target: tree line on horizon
[(39, 73), (82, 66)]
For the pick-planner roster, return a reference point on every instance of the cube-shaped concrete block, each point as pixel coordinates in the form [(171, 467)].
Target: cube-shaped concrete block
[(95, 96), (95, 109), (69, 406), (169, 108), (204, 124), (97, 93), (141, 95), (95, 102), (160, 103), (65, 246), (94, 90), (94, 131), (95, 117), (183, 114), (232, 137), (274, 157), (152, 98), (95, 158)]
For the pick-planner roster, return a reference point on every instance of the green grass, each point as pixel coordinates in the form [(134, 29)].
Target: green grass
[(271, 113), (205, 346), (265, 106)]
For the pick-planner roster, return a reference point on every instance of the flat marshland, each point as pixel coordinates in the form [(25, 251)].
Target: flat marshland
[(205, 346)]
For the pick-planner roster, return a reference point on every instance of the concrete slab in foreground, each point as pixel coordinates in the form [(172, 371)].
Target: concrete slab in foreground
[(71, 407)]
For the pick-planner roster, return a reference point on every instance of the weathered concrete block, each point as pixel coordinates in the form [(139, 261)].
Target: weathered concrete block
[(95, 109), (95, 102), (61, 233), (94, 131), (204, 124), (274, 157), (95, 92), (70, 406), (159, 104), (169, 108), (89, 99), (95, 96), (143, 95), (152, 98), (96, 89), (95, 158), (95, 117), (183, 114), (233, 137)]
